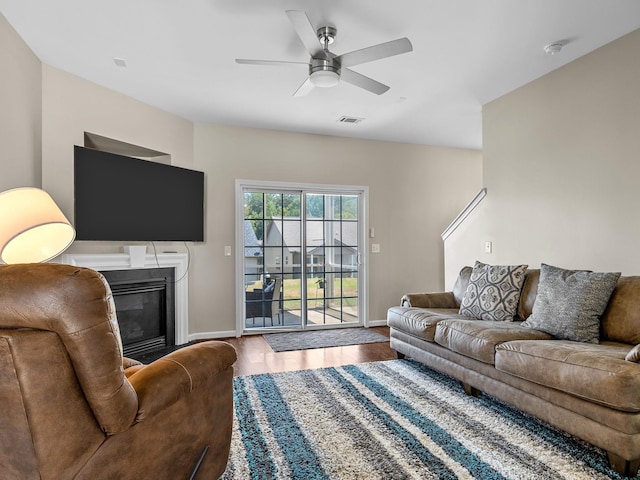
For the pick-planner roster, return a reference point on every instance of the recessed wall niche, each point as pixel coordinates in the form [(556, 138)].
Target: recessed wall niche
[(106, 144)]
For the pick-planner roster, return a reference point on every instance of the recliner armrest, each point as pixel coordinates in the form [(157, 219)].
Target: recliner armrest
[(429, 300), (172, 377), (129, 362)]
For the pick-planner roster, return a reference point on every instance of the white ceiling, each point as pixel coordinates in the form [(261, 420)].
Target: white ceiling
[(180, 57)]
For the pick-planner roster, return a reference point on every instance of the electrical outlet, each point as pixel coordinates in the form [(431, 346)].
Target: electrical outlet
[(375, 248)]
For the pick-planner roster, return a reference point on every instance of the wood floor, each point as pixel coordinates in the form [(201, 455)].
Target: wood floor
[(255, 355)]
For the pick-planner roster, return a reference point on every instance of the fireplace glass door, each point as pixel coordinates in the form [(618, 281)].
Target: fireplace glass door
[(144, 301), (141, 315)]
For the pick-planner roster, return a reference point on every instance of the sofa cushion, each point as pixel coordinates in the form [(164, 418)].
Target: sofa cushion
[(478, 338), (462, 282), (493, 292), (528, 294), (621, 319), (570, 302), (419, 322), (576, 368)]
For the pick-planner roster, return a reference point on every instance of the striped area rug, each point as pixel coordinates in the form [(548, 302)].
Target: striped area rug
[(392, 420)]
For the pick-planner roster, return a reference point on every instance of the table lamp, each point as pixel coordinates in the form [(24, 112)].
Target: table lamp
[(32, 227)]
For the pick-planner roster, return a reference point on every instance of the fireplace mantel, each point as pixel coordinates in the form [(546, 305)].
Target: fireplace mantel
[(122, 261)]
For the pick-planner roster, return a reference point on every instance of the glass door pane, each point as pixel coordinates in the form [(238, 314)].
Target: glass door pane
[(331, 246), (272, 239)]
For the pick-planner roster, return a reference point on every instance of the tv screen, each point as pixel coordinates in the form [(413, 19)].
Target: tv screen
[(126, 199)]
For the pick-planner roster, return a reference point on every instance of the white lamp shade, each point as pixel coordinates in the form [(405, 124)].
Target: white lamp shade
[(32, 227)]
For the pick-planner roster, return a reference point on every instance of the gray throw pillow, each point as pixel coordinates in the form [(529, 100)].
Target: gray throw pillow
[(493, 292), (570, 303)]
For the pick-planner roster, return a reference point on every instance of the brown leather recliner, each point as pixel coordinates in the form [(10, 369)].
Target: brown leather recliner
[(71, 407)]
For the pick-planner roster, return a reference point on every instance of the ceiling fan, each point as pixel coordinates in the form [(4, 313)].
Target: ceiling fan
[(327, 69)]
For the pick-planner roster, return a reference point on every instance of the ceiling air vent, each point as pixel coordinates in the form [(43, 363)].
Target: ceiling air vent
[(350, 120)]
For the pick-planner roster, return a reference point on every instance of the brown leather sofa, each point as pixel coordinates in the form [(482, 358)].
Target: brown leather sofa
[(71, 407), (586, 389)]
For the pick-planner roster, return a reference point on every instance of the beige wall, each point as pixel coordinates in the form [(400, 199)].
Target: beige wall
[(562, 169), (20, 111), (414, 192)]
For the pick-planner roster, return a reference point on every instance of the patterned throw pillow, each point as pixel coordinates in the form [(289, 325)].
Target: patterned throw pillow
[(569, 303), (493, 292)]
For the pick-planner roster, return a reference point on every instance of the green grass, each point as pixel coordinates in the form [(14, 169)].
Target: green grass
[(292, 287), (291, 292)]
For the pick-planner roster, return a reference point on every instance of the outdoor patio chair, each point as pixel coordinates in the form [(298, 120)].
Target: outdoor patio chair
[(264, 302)]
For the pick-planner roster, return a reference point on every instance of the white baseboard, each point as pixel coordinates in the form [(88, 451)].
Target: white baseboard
[(232, 333), (377, 323), (211, 335)]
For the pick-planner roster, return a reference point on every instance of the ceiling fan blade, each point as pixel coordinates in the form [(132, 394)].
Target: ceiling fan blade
[(306, 32), (269, 63), (376, 52), (363, 81), (303, 89)]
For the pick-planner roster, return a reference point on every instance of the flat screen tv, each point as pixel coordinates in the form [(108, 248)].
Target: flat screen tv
[(126, 199)]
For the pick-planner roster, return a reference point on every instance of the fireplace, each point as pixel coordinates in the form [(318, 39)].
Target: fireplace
[(177, 290), (145, 307)]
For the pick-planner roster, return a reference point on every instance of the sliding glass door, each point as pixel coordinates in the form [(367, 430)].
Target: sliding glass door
[(301, 257)]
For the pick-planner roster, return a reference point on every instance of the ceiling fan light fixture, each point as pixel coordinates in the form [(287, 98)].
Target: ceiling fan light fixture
[(324, 73), (324, 78)]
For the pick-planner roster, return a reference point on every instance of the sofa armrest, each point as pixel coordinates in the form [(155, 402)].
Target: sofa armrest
[(429, 300), (172, 377)]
